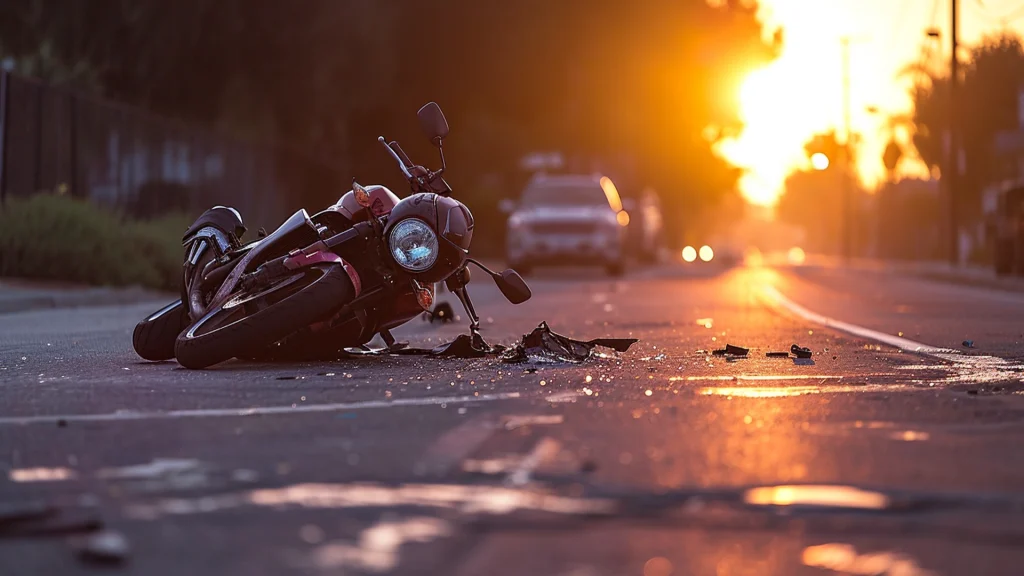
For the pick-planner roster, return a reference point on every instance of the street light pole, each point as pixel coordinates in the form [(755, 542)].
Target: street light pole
[(847, 164), (953, 160)]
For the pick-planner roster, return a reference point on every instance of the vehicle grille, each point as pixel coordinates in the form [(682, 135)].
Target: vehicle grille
[(563, 228)]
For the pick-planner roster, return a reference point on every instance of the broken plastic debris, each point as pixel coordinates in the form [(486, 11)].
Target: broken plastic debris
[(543, 344), (968, 343), (777, 354), (539, 345), (731, 350), (800, 352)]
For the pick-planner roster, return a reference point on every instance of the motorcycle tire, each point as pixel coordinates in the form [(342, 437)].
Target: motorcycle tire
[(248, 323), (154, 337)]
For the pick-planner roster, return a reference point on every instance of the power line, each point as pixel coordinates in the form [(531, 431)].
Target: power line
[(981, 9)]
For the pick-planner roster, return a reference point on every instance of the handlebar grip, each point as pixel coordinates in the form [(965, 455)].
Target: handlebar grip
[(401, 153)]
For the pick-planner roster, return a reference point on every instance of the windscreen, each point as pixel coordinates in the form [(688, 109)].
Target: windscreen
[(565, 195)]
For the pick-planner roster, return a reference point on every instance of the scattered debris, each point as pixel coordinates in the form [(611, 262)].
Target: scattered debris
[(777, 354), (539, 345), (543, 344), (731, 350), (800, 352), (106, 547), (968, 343)]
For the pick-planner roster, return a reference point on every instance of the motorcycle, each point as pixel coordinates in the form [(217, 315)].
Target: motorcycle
[(322, 283)]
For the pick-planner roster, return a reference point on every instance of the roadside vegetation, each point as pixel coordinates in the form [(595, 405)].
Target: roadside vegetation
[(56, 237)]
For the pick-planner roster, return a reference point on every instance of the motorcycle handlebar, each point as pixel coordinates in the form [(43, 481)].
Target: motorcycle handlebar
[(395, 155), (401, 154)]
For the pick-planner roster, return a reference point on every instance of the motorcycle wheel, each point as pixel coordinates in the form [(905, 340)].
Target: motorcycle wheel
[(250, 321), (154, 337)]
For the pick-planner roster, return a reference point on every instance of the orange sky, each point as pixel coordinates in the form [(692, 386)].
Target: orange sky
[(800, 93)]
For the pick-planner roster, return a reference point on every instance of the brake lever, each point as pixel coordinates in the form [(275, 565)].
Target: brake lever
[(394, 155)]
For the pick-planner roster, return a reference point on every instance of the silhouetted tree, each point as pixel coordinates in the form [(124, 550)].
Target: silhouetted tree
[(991, 80)]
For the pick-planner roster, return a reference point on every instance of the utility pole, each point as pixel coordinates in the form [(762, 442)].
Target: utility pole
[(953, 158), (847, 163)]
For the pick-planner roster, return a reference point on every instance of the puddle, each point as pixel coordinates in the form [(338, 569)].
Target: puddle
[(513, 422), (469, 499), (826, 496), (788, 391), (757, 378), (910, 436), (962, 369), (378, 546), (766, 392), (41, 474), (844, 558)]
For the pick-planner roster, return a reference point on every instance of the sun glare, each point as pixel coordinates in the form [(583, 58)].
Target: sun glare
[(781, 106)]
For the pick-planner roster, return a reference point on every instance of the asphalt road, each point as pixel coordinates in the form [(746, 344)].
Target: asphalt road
[(865, 459)]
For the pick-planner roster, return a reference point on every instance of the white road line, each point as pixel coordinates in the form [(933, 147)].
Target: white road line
[(545, 450), (776, 299), (256, 411), (455, 445)]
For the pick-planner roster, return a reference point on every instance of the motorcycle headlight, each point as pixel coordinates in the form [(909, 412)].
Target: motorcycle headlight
[(413, 245)]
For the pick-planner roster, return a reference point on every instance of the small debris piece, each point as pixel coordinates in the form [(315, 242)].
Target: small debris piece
[(800, 352), (972, 392), (968, 343), (588, 466), (731, 350), (777, 354), (107, 547)]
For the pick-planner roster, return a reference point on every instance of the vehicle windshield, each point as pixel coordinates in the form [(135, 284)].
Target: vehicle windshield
[(565, 195)]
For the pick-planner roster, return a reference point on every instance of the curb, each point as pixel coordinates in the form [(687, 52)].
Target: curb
[(16, 299)]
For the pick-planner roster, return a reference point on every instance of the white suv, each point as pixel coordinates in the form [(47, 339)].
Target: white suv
[(567, 219)]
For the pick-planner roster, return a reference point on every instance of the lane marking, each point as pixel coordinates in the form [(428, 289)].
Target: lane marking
[(965, 369), (130, 415), (545, 450), (777, 300), (455, 445), (377, 547)]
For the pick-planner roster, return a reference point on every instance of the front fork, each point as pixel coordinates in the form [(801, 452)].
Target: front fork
[(456, 284)]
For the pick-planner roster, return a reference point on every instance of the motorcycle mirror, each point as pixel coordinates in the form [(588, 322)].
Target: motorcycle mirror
[(361, 194), (512, 286), (433, 123)]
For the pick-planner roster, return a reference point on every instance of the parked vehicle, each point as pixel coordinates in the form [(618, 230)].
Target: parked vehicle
[(1006, 229), (646, 226), (567, 219), (325, 282)]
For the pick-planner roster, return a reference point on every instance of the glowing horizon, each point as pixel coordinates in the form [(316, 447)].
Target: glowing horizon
[(783, 104)]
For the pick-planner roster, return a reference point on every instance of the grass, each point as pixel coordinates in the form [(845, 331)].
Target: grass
[(56, 237)]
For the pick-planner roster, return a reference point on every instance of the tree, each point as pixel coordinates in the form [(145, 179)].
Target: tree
[(989, 88), (594, 78)]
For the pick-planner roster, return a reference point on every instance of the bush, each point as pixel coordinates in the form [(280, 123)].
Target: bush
[(53, 237)]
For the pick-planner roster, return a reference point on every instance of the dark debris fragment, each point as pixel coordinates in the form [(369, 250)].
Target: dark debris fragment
[(800, 352), (731, 350)]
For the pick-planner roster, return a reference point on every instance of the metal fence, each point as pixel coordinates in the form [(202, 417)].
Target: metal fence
[(141, 164)]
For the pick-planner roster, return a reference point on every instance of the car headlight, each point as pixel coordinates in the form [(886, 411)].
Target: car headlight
[(413, 245)]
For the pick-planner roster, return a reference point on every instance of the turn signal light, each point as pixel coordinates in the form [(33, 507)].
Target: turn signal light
[(424, 296)]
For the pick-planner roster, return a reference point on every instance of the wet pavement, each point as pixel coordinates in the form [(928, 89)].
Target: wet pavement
[(665, 459)]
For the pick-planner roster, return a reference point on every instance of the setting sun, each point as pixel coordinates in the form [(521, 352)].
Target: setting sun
[(800, 94)]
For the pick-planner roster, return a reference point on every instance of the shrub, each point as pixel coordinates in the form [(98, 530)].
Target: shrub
[(46, 236)]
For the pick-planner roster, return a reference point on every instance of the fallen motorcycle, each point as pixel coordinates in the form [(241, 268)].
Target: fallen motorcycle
[(325, 282)]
